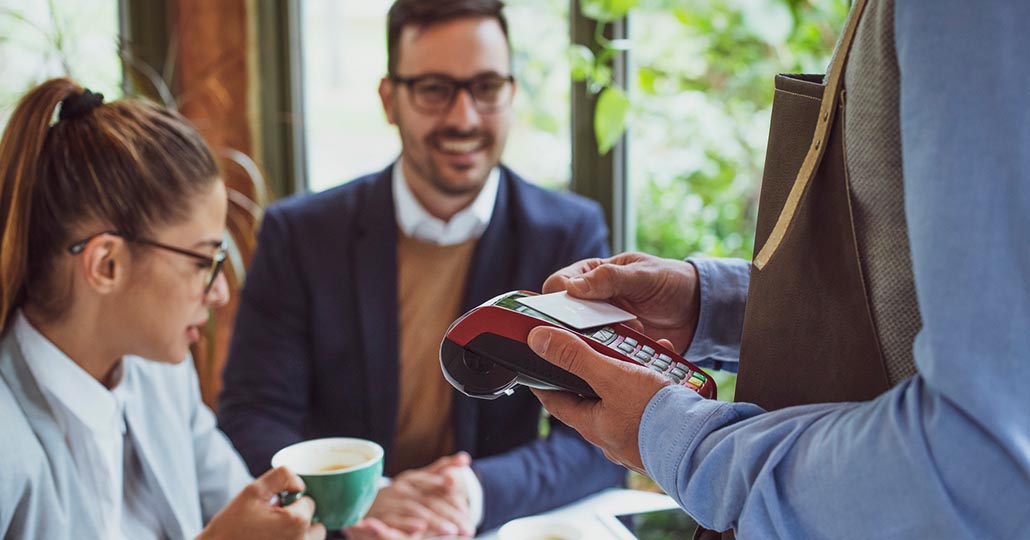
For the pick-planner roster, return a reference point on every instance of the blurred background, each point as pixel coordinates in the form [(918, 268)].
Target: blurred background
[(658, 109)]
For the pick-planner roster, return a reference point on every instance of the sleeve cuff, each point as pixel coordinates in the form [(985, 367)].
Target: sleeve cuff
[(474, 490), (723, 284), (656, 426), (672, 421)]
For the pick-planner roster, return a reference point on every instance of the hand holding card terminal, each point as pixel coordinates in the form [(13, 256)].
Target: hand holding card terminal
[(485, 355)]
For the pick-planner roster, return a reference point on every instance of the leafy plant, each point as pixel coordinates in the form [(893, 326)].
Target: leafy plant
[(701, 97), (697, 110)]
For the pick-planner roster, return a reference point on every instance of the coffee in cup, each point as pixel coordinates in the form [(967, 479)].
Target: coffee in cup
[(341, 474)]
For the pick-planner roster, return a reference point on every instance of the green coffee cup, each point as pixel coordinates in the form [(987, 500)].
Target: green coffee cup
[(341, 474)]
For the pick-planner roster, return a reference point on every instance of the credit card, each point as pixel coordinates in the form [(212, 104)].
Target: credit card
[(576, 312)]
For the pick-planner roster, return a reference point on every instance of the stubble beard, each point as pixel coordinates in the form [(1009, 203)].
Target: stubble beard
[(436, 177)]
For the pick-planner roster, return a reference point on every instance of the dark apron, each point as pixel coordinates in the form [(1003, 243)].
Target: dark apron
[(808, 332)]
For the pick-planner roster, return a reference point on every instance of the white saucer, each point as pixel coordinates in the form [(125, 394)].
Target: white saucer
[(540, 528)]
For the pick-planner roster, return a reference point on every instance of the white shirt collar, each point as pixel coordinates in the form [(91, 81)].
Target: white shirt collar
[(469, 223), (66, 383)]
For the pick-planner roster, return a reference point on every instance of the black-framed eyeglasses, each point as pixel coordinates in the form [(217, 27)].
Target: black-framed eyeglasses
[(214, 262), (435, 93)]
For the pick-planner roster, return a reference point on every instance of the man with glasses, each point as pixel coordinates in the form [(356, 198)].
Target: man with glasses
[(352, 290)]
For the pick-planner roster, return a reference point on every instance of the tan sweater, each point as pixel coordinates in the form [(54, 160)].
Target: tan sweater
[(430, 287)]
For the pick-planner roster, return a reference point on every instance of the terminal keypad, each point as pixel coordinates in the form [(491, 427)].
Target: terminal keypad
[(647, 356)]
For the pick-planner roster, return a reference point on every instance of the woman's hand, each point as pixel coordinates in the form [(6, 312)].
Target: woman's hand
[(255, 513)]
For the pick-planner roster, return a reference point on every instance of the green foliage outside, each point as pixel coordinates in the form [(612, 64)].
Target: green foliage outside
[(702, 86), (697, 111), (704, 82)]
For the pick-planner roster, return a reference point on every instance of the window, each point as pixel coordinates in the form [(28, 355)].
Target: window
[(41, 40), (344, 48), (703, 89), (540, 144)]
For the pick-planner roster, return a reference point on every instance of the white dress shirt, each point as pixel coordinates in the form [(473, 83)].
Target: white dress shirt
[(415, 221), (470, 222), (92, 419)]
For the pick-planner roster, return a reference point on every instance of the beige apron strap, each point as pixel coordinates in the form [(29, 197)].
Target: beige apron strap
[(834, 80)]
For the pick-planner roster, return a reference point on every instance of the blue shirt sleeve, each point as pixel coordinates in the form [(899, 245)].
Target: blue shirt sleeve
[(946, 453), (723, 284)]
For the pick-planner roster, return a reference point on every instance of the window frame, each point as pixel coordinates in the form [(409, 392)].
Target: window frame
[(601, 178)]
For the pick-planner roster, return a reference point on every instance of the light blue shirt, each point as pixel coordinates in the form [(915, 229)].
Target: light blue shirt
[(92, 419), (946, 453), (180, 469)]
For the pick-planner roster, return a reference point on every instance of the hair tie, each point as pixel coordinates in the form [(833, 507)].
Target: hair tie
[(80, 105)]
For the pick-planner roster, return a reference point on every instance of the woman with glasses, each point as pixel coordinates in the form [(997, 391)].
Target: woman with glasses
[(111, 224)]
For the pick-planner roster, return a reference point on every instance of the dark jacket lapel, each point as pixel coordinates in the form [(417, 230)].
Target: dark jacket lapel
[(375, 273), (491, 270)]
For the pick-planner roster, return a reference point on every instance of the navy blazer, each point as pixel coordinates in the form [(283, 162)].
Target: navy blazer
[(314, 352)]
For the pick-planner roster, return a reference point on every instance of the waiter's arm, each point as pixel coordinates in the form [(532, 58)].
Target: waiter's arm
[(944, 454)]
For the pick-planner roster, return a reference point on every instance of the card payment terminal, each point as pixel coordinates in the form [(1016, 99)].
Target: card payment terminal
[(484, 353)]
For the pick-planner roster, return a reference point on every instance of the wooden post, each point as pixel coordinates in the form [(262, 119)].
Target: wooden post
[(213, 86)]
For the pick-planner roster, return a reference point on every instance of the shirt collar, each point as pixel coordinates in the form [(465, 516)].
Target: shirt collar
[(65, 382), (469, 223)]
